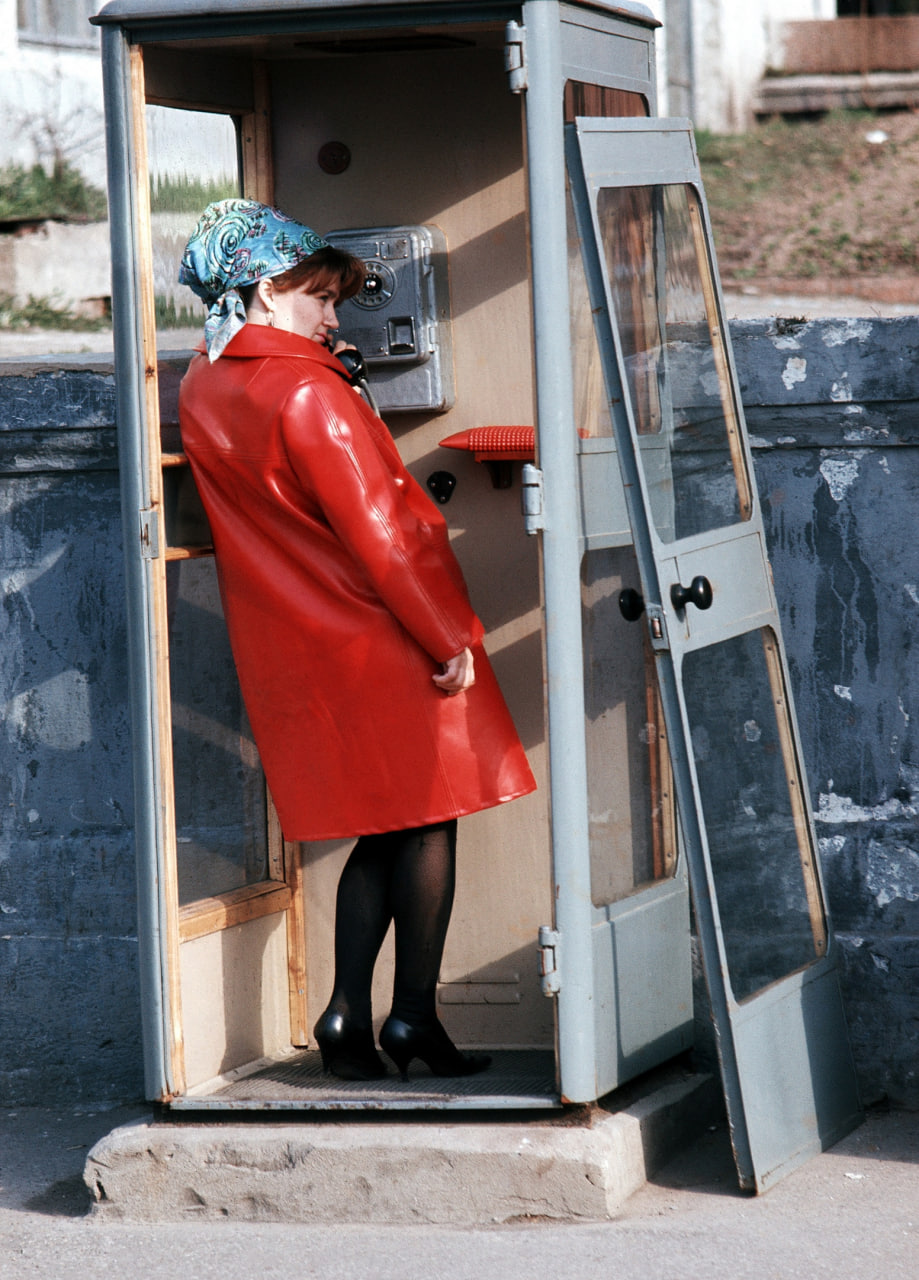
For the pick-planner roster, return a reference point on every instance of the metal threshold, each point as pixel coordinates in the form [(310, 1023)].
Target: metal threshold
[(518, 1079)]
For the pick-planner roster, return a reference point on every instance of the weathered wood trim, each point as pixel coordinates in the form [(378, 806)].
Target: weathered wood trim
[(225, 910)]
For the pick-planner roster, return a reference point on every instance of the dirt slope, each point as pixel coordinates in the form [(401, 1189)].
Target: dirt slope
[(818, 206)]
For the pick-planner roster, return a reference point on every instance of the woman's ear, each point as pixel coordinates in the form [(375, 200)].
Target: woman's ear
[(262, 301), (264, 291)]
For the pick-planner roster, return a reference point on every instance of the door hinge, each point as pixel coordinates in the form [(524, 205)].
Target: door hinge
[(149, 533), (657, 628), (549, 944), (531, 498), (515, 56)]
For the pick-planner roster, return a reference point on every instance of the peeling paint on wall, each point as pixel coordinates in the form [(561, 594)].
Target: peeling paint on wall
[(892, 873), (54, 713), (835, 810), (840, 474), (795, 371), (851, 330)]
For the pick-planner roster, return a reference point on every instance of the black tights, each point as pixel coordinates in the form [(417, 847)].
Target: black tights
[(407, 877)]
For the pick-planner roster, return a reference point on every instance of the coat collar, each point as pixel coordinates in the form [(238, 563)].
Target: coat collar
[(255, 341)]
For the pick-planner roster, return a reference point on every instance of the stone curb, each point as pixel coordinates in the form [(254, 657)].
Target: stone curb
[(582, 1167)]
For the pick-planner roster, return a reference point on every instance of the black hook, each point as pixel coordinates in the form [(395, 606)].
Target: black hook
[(441, 484)]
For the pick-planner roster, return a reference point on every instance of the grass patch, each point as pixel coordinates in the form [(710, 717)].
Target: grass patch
[(64, 196), (188, 195), (169, 316), (42, 313)]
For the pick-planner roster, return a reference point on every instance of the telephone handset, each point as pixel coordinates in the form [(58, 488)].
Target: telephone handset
[(353, 361)]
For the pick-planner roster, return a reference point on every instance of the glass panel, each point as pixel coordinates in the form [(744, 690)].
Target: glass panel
[(221, 819), (675, 366), (600, 100), (632, 822), (193, 158), (184, 517), (758, 835), (591, 409)]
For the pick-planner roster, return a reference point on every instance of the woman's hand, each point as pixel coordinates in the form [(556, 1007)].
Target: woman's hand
[(458, 674)]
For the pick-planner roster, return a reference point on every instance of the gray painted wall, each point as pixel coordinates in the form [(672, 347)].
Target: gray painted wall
[(834, 414), (833, 408), (69, 1015)]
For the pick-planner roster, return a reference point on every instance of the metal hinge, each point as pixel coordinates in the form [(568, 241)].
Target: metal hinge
[(550, 978), (515, 56), (532, 498), (149, 533), (657, 628)]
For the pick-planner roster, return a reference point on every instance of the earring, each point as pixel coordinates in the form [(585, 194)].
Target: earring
[(270, 319)]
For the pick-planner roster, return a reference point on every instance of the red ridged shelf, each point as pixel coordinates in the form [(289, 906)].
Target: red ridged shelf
[(496, 446)]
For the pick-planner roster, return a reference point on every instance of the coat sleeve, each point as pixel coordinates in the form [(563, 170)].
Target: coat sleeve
[(364, 495)]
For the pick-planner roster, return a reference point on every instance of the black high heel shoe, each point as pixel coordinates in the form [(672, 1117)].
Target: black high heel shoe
[(402, 1042), (347, 1052)]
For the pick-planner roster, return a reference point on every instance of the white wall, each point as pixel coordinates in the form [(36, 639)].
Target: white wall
[(50, 99), (724, 47)]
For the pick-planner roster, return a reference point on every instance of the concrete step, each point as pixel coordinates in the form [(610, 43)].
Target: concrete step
[(580, 1164)]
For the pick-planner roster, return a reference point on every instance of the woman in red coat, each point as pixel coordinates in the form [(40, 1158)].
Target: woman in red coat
[(373, 706)]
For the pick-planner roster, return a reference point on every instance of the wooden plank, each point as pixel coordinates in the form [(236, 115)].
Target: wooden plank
[(296, 946), (793, 776), (850, 45), (712, 315), (255, 140), (187, 553), (226, 910)]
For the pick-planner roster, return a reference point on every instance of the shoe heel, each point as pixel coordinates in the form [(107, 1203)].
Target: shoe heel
[(347, 1052), (392, 1042), (402, 1042)]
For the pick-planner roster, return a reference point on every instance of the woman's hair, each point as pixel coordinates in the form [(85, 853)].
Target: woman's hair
[(322, 269)]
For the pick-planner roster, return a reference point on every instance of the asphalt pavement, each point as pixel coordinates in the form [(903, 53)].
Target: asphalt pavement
[(851, 1212)]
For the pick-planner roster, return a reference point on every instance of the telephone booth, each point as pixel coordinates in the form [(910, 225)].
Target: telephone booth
[(545, 335)]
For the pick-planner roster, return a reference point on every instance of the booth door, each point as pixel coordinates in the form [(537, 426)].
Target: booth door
[(705, 602), (640, 995), (231, 903)]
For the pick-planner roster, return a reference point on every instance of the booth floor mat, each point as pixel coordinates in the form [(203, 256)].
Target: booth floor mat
[(518, 1078)]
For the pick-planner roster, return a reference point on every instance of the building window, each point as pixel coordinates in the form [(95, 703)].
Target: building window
[(59, 22)]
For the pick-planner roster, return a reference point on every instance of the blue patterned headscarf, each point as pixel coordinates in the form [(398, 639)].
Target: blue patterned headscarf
[(239, 242)]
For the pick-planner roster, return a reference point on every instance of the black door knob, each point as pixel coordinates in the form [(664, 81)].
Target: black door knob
[(699, 592), (631, 604)]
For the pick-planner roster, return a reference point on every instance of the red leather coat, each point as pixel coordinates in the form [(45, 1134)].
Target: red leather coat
[(342, 598)]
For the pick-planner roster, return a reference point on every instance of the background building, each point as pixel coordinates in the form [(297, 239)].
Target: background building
[(718, 51), (51, 86)]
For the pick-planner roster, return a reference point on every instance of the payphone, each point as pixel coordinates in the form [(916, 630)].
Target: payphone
[(400, 320), (583, 301)]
